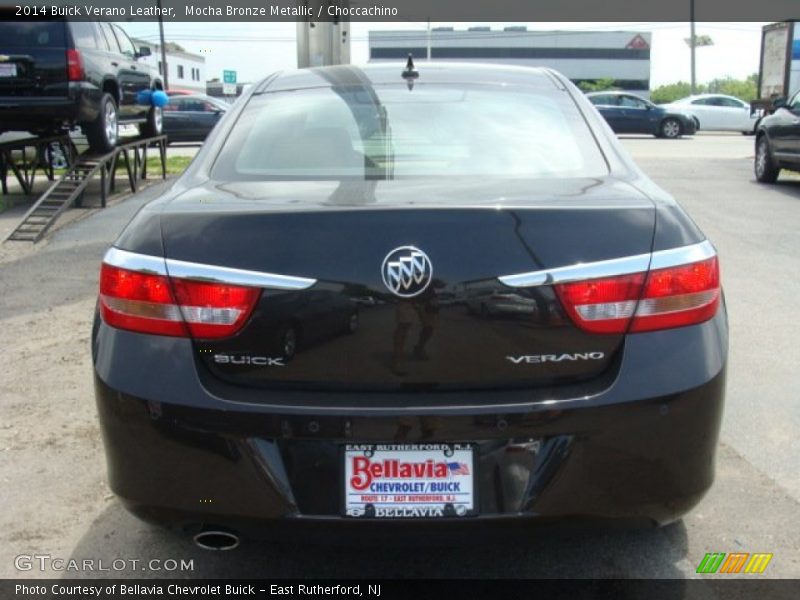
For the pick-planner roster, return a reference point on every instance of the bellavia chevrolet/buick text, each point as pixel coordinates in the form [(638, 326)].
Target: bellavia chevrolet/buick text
[(374, 296)]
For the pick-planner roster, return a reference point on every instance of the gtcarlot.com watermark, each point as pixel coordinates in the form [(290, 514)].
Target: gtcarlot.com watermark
[(46, 562)]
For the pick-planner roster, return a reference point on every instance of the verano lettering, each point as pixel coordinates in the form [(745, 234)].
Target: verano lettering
[(544, 358)]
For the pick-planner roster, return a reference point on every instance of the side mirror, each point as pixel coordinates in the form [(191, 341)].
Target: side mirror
[(144, 51), (778, 103)]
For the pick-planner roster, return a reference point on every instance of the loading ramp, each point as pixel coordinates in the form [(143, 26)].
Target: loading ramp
[(68, 189)]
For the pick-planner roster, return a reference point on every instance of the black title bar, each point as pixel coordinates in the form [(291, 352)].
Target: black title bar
[(402, 10), (254, 589)]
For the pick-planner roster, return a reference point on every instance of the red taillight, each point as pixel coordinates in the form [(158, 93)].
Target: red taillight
[(602, 305), (213, 310), (660, 299), (149, 303), (679, 296), (74, 66)]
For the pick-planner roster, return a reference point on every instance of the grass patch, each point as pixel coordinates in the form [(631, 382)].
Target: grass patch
[(175, 165)]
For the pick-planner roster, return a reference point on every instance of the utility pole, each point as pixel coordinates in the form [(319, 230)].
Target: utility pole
[(165, 73), (692, 46), (429, 39)]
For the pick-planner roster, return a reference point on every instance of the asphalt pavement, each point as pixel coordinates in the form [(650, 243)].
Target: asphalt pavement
[(54, 488)]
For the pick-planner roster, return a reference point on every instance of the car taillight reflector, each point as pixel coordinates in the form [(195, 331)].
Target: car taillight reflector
[(74, 65), (661, 299), (214, 310), (602, 305), (678, 296), (152, 303)]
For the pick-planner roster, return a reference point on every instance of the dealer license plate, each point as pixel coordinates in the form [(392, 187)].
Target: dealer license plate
[(8, 70), (401, 481)]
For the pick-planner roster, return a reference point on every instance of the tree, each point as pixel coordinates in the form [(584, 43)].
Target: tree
[(173, 47), (598, 85), (741, 88), (744, 89), (673, 91)]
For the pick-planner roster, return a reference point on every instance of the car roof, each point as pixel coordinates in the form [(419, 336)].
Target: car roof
[(197, 96), (698, 96), (391, 72), (618, 93)]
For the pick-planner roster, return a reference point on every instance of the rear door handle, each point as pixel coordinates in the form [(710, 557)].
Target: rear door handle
[(114, 64)]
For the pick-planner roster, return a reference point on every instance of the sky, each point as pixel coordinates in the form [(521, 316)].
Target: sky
[(255, 50)]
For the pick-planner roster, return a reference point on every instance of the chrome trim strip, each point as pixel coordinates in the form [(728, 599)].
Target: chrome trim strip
[(199, 272), (579, 272), (683, 255), (152, 265), (211, 273), (612, 268)]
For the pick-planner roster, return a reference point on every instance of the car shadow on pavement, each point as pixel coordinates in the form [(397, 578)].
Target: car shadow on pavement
[(789, 187), (537, 553)]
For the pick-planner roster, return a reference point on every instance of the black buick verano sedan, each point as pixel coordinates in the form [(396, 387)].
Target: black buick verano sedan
[(294, 332)]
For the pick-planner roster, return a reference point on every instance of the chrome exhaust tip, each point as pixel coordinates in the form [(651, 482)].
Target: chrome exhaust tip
[(216, 539)]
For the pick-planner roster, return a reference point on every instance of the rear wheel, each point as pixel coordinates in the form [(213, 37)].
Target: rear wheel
[(670, 128), (103, 133), (154, 124), (57, 155), (766, 169)]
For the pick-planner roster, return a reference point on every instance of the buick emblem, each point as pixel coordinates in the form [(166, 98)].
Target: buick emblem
[(407, 271)]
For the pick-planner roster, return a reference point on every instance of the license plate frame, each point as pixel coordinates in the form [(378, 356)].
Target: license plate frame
[(427, 494)]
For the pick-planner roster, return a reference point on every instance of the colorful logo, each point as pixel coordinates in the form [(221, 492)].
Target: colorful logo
[(735, 562)]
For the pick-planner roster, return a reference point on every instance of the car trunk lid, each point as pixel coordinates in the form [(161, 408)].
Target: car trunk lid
[(465, 330)]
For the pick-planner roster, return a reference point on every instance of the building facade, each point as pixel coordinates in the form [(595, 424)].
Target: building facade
[(583, 56), (186, 71)]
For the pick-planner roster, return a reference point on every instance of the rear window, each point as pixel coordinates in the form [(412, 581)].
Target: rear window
[(20, 34), (391, 132), (605, 100), (83, 34)]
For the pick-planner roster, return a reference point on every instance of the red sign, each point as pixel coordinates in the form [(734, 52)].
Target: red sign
[(638, 43)]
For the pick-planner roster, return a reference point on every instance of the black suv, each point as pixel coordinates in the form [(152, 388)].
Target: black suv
[(778, 140), (58, 74)]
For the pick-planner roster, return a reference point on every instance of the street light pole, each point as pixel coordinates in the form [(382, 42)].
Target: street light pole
[(165, 73), (429, 39), (692, 46)]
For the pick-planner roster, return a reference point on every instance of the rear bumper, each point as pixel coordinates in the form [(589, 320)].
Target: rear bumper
[(79, 104), (641, 450)]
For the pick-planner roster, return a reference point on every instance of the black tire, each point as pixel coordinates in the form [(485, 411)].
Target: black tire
[(764, 165), (103, 133), (154, 124), (670, 128)]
